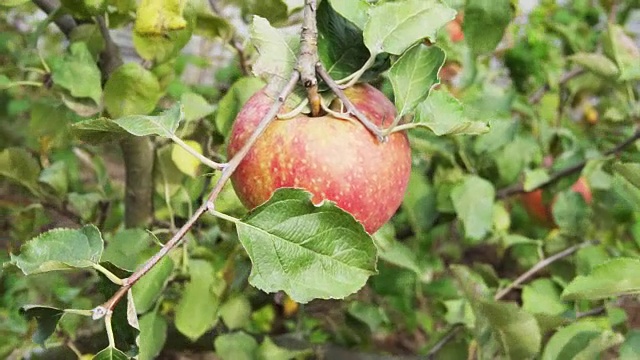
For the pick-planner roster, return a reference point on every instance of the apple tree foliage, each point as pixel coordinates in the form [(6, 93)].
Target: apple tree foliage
[(498, 97)]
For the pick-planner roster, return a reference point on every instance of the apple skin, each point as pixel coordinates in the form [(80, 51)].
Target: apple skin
[(533, 202), (334, 159), (454, 28)]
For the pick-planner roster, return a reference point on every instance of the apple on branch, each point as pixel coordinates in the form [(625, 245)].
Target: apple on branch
[(334, 159)]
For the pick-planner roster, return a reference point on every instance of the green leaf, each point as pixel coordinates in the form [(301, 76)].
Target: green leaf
[(110, 354), (629, 171), (268, 350), (98, 130), (236, 312), (473, 201), (485, 22), (613, 278), (47, 319), (79, 64), (21, 167), (626, 191), (597, 64), (162, 48), (355, 11), (275, 11), (394, 26), (60, 249), (420, 202), (197, 310), (372, 315), (444, 115), (84, 204), (211, 26), (151, 285), (570, 212), (624, 50), (630, 349), (10, 3), (534, 178), (413, 76), (126, 249), (131, 90), (277, 53), (584, 339), (341, 47), (55, 176), (236, 346), (195, 106), (542, 296), (164, 124), (183, 160), (305, 250), (230, 105), (156, 18), (153, 334), (395, 252)]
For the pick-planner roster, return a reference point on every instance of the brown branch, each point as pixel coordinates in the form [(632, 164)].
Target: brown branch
[(65, 23), (108, 306), (517, 189), (309, 56), (234, 41), (324, 75)]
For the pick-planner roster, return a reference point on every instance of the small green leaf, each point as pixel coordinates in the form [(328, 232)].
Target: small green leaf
[(10, 3), (98, 130), (268, 350), (195, 106), (131, 90), (393, 27), (395, 252), (355, 11), (534, 178), (570, 212), (47, 319), (197, 310), (542, 296), (126, 248), (149, 287), (230, 105), (55, 176), (420, 202), (84, 204), (473, 201), (110, 354), (236, 346), (305, 250), (21, 167), (621, 47), (277, 53), (213, 27), (162, 48), (153, 334), (597, 64), (629, 171), (372, 315), (60, 249), (444, 115), (613, 278), (630, 349), (236, 312), (183, 160), (485, 22), (156, 18), (164, 125), (79, 64), (413, 76)]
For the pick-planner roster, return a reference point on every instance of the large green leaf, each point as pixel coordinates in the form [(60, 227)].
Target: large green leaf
[(443, 114), (98, 130), (197, 310), (597, 64), (308, 251), (78, 64), (21, 167), (584, 339), (614, 278), (195, 106), (153, 334), (131, 90), (277, 53), (630, 171), (164, 47), (110, 353), (47, 319), (355, 11), (60, 249), (413, 76), (393, 27), (157, 18), (473, 201), (236, 346), (485, 22), (164, 124), (149, 287)]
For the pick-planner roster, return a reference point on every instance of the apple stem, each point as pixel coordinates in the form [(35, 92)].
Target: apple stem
[(351, 109), (309, 56)]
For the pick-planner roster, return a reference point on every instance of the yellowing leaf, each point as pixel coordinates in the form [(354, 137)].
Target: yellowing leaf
[(157, 17), (184, 161)]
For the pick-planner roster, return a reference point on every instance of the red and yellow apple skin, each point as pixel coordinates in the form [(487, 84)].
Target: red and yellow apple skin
[(334, 159), (534, 204)]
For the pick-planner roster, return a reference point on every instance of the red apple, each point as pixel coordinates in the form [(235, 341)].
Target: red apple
[(454, 28), (334, 159)]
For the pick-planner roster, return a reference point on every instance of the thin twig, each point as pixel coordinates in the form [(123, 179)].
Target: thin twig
[(448, 336), (309, 56), (537, 96), (324, 75), (541, 265), (517, 189), (65, 23), (234, 41)]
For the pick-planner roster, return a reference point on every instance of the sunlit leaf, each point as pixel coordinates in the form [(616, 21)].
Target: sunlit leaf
[(613, 278), (305, 250), (473, 202), (157, 17), (164, 124), (131, 90), (443, 114), (355, 11), (184, 161), (78, 64)]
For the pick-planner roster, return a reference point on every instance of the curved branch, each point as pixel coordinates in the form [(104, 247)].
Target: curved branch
[(65, 23)]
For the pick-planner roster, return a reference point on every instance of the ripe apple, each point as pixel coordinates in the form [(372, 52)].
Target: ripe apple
[(535, 206), (454, 28), (334, 159)]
